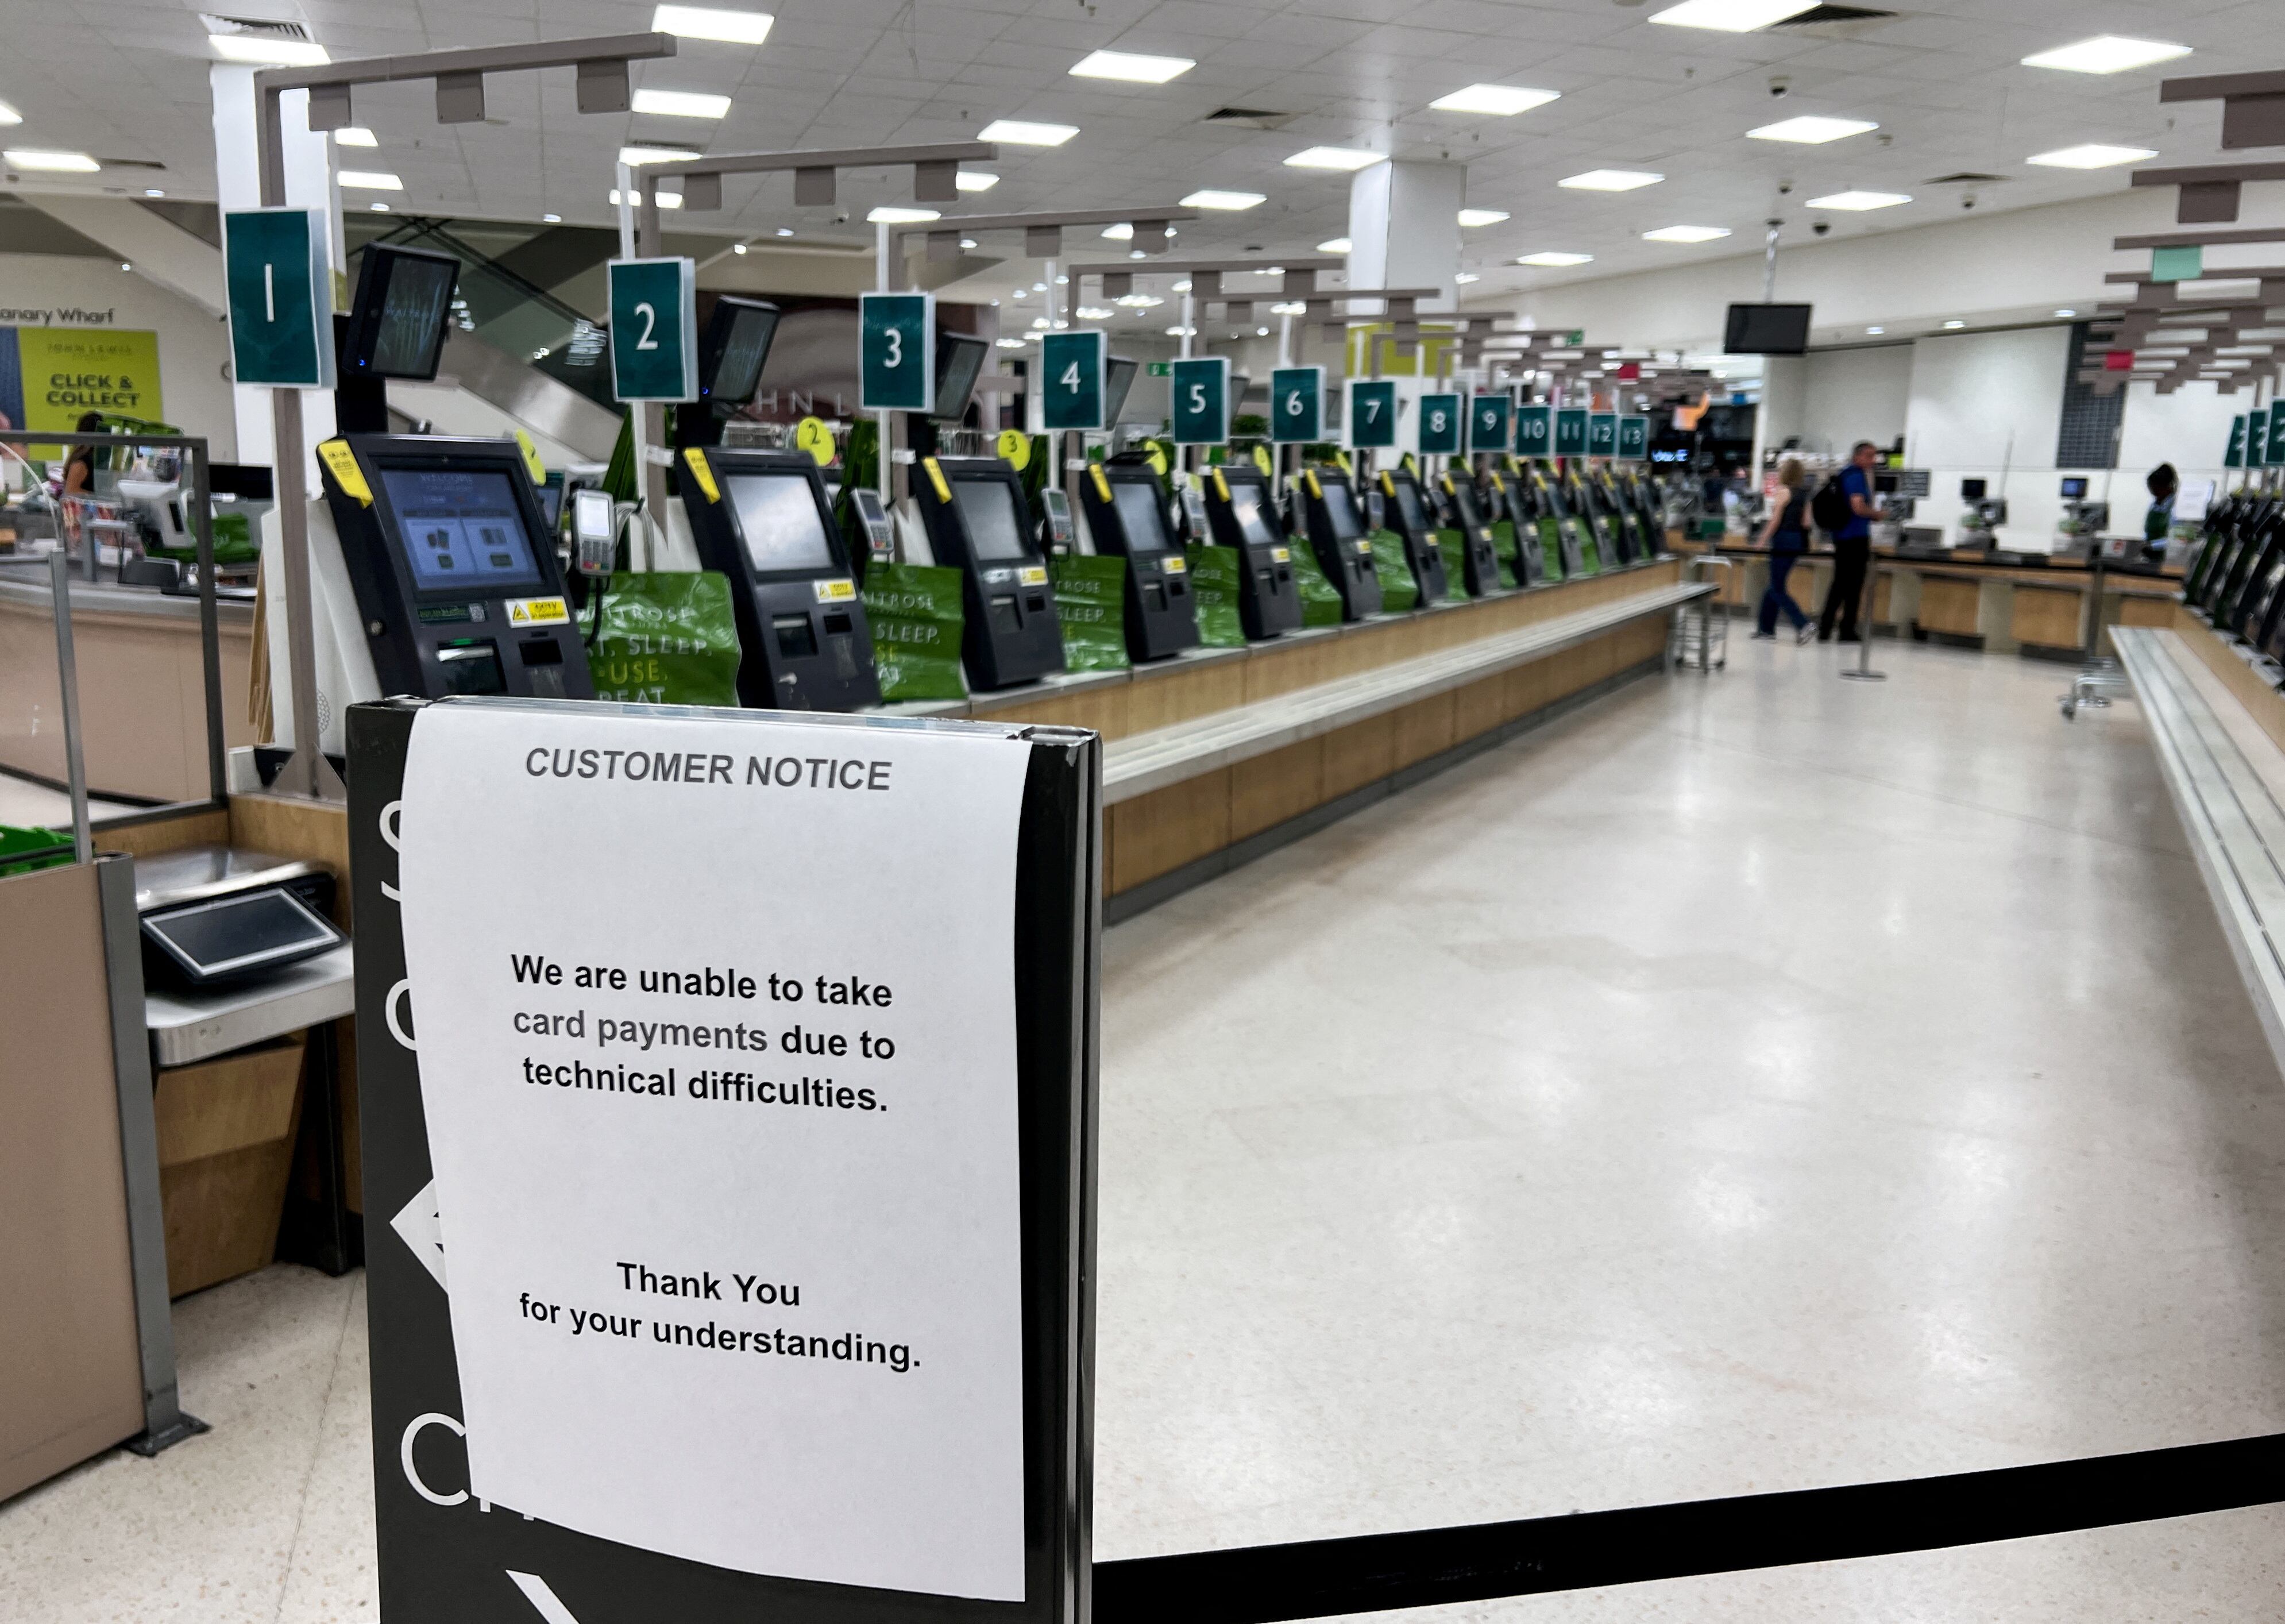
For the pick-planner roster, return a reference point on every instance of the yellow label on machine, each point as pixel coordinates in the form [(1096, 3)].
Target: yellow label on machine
[(1031, 575), (342, 463), (695, 459), (1387, 485), (1158, 459), (1280, 556), (1448, 483), (1174, 566), (840, 590), (1016, 448), (532, 463), (537, 611), (1261, 461), (935, 478), (810, 434), (1101, 483), (1364, 544), (1343, 458)]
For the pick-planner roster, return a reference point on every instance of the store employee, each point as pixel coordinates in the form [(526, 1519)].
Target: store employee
[(2158, 524)]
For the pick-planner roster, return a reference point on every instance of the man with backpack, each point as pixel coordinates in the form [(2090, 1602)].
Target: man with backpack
[(1844, 508)]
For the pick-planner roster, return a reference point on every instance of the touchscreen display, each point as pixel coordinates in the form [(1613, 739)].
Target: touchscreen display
[(995, 530), (219, 936), (1341, 509), (1247, 507), (778, 518), (1407, 506), (461, 530), (1140, 515)]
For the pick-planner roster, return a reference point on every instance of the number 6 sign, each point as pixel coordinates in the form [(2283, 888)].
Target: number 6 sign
[(654, 306), (1297, 405)]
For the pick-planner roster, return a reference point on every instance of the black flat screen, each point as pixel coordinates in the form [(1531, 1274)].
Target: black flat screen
[(1341, 510), (241, 932), (1247, 507), (462, 531), (1140, 515), (995, 530), (778, 518)]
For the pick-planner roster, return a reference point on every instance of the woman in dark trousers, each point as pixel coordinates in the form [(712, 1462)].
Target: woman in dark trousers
[(1786, 537)]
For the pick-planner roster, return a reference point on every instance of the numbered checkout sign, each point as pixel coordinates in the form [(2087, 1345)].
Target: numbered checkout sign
[(896, 340), (1072, 364), (654, 329), (2277, 434), (279, 284), (1571, 434), (1602, 435), (1491, 422), (2234, 457), (1534, 431), (1297, 405), (1440, 417), (1634, 439), (1201, 413), (2257, 440), (1372, 414)]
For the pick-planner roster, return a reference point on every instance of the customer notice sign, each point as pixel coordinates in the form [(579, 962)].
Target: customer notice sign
[(716, 1035)]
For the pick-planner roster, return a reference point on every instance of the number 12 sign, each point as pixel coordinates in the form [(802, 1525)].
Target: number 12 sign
[(654, 305)]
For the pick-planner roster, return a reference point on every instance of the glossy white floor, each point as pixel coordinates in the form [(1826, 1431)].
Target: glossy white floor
[(1749, 1083)]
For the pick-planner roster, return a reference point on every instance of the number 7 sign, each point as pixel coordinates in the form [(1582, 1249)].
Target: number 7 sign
[(1372, 413)]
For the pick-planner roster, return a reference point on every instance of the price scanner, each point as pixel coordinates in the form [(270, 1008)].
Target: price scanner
[(1243, 513), (1056, 532), (1479, 559), (1407, 508), (1335, 530), (762, 518), (974, 511), (1127, 516)]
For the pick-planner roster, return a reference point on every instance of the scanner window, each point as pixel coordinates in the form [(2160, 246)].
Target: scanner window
[(797, 639), (472, 668)]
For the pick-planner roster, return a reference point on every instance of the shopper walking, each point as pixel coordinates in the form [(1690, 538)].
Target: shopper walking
[(1852, 540), (1786, 537)]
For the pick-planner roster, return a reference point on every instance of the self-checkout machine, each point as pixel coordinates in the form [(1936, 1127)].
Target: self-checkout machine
[(1124, 503), (1242, 507), (1621, 527), (1332, 517), (1633, 463)]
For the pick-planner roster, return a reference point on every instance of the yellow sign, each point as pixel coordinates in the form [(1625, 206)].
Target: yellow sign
[(342, 463), (1159, 462), (1102, 483), (1031, 575), (1343, 458), (1364, 545), (837, 591), (1176, 566), (936, 477), (537, 611), (1221, 485), (1261, 459), (68, 370), (695, 459), (532, 465), (1280, 556), (811, 435), (1015, 447)]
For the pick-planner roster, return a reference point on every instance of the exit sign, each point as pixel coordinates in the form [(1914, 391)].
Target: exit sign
[(1162, 369)]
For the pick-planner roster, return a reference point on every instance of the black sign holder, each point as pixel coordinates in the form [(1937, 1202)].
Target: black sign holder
[(447, 1558)]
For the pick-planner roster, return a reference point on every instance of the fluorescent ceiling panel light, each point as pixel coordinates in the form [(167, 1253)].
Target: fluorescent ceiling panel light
[(1497, 100), (1138, 301), (1876, 331), (2092, 156), (354, 135), (551, 219), (2066, 314), (666, 200), (1334, 245), (264, 51), (704, 22), (9, 115), (379, 208), (1857, 202), (977, 180), (892, 215), (1122, 232), (1332, 158), (1223, 199), (1133, 69), (635, 157), (1951, 327), (1293, 307), (1731, 16), (1686, 233), (1555, 257), (72, 163), (1810, 130), (371, 180), (2107, 53), (1611, 180), (681, 104), (1482, 216), (153, 192), (1466, 277), (1182, 333), (1018, 132)]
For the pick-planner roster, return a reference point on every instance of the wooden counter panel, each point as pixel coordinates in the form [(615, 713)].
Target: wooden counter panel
[(1949, 606), (2048, 617), (1161, 702), (226, 1130), (1156, 833), (1359, 755), (1422, 730), (2261, 702), (1479, 708), (2142, 609), (1269, 790), (229, 1103)]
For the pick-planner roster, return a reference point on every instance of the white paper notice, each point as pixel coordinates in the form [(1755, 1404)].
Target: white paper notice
[(716, 1035)]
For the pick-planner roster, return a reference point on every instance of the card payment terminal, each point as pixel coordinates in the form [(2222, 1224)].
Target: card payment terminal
[(1479, 559)]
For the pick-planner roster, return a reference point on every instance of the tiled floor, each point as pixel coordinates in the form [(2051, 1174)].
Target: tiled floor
[(1744, 1084)]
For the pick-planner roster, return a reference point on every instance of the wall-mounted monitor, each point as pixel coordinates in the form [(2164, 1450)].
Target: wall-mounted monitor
[(1972, 489), (1767, 330), (2075, 490), (1118, 381), (959, 362), (736, 344), (403, 310)]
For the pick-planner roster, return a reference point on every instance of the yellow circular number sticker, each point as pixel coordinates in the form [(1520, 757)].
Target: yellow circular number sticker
[(1016, 448), (1159, 462), (811, 435), (1261, 461)]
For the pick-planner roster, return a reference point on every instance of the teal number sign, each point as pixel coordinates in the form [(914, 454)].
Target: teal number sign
[(2276, 434), (1490, 423), (1297, 405), (1534, 431), (1070, 368), (1441, 418), (896, 347), (654, 329), (1602, 435), (2257, 440), (1571, 434), (1372, 414), (2235, 456), (1634, 438), (278, 282), (1201, 401)]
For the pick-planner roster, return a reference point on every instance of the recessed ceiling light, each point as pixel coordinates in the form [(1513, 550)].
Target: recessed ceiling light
[(737, 247), (2066, 314), (1482, 216), (1332, 158), (354, 135), (1291, 307), (1811, 130), (371, 180), (1011, 343), (1334, 245), (1498, 100), (890, 214), (1952, 325), (1136, 301), (1018, 132), (704, 22), (1466, 277), (976, 180), (785, 230), (153, 192), (681, 104), (1876, 331), (1686, 233), (1223, 199), (1611, 180), (32, 157), (666, 200), (1731, 16), (1261, 333), (1857, 202), (1133, 69), (1552, 256), (379, 208), (551, 219), (2092, 156), (269, 51), (2107, 53), (1182, 333), (968, 243), (635, 157), (9, 115)]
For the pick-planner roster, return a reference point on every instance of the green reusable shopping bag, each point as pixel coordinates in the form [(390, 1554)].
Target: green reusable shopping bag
[(1320, 600), (667, 638), (916, 615), (1399, 592), (1503, 548), (1454, 546), (1216, 574), (1091, 602)]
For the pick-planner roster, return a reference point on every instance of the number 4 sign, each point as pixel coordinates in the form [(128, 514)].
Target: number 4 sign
[(1072, 363)]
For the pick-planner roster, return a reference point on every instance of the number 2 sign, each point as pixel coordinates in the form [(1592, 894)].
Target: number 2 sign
[(654, 329)]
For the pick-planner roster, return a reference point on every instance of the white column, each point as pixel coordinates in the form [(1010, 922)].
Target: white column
[(1404, 228)]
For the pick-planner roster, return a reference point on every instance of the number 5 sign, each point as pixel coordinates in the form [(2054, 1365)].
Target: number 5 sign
[(896, 339), (654, 329), (1201, 413), (1072, 363)]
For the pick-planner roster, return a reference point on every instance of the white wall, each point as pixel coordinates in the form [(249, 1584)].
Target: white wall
[(193, 347), (1854, 395)]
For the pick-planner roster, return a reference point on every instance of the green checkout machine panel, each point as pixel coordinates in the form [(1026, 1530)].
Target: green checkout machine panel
[(1479, 559), (455, 573), (977, 524), (1242, 514), (1409, 516), (1336, 528), (761, 519), (1506, 496), (1127, 516)]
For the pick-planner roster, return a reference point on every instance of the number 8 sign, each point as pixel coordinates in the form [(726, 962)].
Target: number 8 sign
[(1440, 424)]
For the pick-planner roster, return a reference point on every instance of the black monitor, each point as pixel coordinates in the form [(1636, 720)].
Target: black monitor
[(402, 312), (781, 522), (248, 481), (462, 531), (1766, 330), (1118, 383), (1341, 510), (1885, 484), (2075, 490), (1248, 505), (989, 513), (1410, 514), (1141, 515), (736, 344), (959, 362), (1972, 489)]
